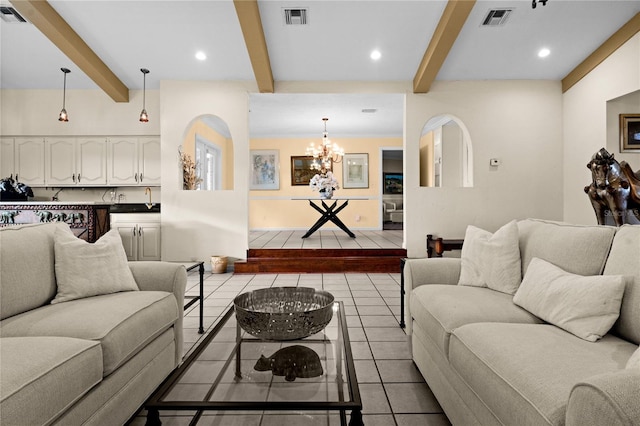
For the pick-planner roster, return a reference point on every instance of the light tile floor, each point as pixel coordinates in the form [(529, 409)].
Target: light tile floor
[(392, 389)]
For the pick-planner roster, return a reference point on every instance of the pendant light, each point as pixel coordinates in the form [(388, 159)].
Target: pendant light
[(63, 113), (144, 117)]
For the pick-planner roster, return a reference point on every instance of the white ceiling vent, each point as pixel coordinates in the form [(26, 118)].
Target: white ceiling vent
[(496, 17), (295, 16), (9, 14)]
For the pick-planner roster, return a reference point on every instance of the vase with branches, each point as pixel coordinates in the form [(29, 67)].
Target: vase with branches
[(190, 179)]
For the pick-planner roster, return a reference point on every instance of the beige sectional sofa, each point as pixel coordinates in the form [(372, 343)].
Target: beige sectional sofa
[(491, 362), (93, 360)]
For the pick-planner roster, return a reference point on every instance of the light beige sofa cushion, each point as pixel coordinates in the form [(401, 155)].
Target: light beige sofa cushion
[(43, 376), (524, 373), (90, 269), (440, 309), (624, 259), (36, 268), (586, 306), (123, 323), (579, 249), (491, 260)]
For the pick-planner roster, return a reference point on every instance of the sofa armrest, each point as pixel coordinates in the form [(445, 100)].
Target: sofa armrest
[(417, 272), (169, 277), (606, 399)]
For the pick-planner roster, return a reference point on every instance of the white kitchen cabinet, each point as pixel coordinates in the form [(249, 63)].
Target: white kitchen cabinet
[(22, 159), (149, 160), (134, 161), (76, 161), (7, 168), (140, 234)]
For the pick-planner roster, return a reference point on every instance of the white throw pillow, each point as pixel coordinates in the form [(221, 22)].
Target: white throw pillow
[(586, 306), (634, 361), (491, 260), (84, 269)]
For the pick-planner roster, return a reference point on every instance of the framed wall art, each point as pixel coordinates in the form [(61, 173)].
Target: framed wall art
[(629, 132), (265, 169), (355, 171), (301, 172), (393, 183)]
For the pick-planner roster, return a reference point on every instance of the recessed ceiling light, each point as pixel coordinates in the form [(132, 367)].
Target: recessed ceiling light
[(200, 55), (375, 55), (544, 52)]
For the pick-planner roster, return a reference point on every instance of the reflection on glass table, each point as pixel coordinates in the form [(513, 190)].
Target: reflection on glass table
[(231, 370)]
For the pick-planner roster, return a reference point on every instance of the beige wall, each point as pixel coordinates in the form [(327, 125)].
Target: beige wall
[(426, 159), (274, 209), (585, 118), (519, 122), (199, 224), (91, 112)]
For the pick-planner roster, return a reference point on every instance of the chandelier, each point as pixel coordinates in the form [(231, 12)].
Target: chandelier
[(326, 153)]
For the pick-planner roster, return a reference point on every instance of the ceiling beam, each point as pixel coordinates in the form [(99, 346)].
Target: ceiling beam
[(620, 37), (50, 23), (451, 22), (251, 24)]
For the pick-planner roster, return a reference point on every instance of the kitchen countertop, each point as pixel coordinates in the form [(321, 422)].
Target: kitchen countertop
[(113, 207), (134, 208), (58, 203)]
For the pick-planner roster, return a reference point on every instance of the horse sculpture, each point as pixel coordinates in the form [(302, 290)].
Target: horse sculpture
[(614, 189)]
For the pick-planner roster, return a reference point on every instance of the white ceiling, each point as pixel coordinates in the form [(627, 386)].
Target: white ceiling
[(163, 36)]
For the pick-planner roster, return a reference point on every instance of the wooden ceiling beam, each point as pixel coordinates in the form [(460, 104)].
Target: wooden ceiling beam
[(45, 18), (620, 37), (451, 22), (251, 24)]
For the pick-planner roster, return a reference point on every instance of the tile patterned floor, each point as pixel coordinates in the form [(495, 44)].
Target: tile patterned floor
[(393, 391)]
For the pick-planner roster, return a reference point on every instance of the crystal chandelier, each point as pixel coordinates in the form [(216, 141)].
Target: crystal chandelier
[(326, 153)]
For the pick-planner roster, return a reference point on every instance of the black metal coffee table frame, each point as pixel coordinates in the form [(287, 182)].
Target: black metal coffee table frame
[(354, 404)]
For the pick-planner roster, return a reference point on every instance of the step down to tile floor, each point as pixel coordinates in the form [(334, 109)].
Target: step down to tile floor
[(320, 261)]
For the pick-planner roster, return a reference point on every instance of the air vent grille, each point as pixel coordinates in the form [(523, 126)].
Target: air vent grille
[(496, 17), (9, 14), (295, 16)]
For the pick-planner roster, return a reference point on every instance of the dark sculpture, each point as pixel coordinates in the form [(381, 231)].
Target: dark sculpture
[(12, 190), (614, 189), (292, 362)]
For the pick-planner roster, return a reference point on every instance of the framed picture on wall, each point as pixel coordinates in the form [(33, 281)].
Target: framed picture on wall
[(355, 171), (301, 171), (629, 132), (392, 183), (265, 169)]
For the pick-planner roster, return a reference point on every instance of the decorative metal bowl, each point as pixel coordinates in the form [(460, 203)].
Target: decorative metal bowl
[(284, 313)]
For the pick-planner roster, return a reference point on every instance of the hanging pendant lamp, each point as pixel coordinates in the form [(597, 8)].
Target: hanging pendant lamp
[(63, 113), (144, 117)]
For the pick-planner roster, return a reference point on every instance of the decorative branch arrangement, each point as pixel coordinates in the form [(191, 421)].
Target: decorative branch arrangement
[(190, 179)]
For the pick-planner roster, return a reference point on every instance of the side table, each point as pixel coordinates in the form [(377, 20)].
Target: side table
[(193, 299), (440, 245)]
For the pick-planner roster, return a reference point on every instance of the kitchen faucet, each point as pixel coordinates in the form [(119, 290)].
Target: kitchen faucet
[(147, 190)]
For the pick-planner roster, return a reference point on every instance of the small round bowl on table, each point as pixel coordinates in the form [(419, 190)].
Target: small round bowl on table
[(284, 313)]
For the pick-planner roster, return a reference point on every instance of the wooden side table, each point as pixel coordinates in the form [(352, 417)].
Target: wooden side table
[(440, 245)]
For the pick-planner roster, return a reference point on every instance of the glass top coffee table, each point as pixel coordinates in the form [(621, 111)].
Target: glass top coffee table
[(233, 371)]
